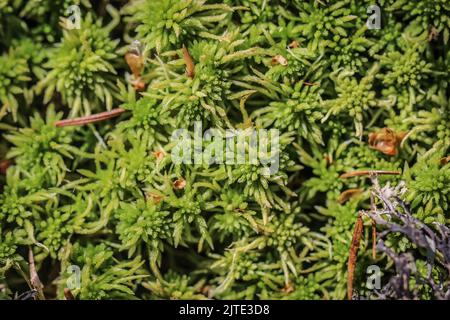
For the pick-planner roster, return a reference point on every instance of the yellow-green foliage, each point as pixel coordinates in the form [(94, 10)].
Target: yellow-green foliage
[(108, 199)]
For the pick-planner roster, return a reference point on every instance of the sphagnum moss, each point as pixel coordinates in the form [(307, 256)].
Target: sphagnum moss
[(101, 198)]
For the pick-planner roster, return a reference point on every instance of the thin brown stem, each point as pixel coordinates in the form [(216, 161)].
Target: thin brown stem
[(368, 173), (34, 277), (374, 240), (374, 228), (91, 118), (354, 248)]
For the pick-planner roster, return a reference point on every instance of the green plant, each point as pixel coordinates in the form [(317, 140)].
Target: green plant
[(91, 186), (81, 67)]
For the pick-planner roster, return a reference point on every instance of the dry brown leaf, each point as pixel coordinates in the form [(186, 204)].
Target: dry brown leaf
[(386, 141), (279, 59), (294, 44), (348, 194), (190, 66), (179, 184)]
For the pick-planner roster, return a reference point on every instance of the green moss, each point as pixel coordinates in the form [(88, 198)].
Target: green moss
[(109, 200)]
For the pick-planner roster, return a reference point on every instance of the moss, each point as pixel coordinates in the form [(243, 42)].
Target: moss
[(108, 199)]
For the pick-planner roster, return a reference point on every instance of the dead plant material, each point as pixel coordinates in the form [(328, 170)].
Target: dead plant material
[(279, 59), (91, 118), (138, 85), (374, 227), (179, 184), (386, 141), (445, 160), (288, 288), (68, 294), (348, 194), (35, 282), (354, 248), (310, 84), (360, 173), (4, 165), (374, 240), (294, 44), (159, 154), (135, 61), (190, 65)]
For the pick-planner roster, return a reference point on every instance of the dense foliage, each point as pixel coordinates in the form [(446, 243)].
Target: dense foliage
[(108, 214)]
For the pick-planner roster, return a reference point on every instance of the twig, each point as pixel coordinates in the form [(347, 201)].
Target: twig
[(90, 119), (374, 227), (27, 295), (374, 240), (368, 173), (34, 277)]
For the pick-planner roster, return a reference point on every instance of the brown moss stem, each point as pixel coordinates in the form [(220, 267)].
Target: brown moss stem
[(91, 118), (368, 173), (353, 254)]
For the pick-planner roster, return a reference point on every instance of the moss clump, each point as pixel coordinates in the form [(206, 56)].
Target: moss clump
[(104, 199)]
